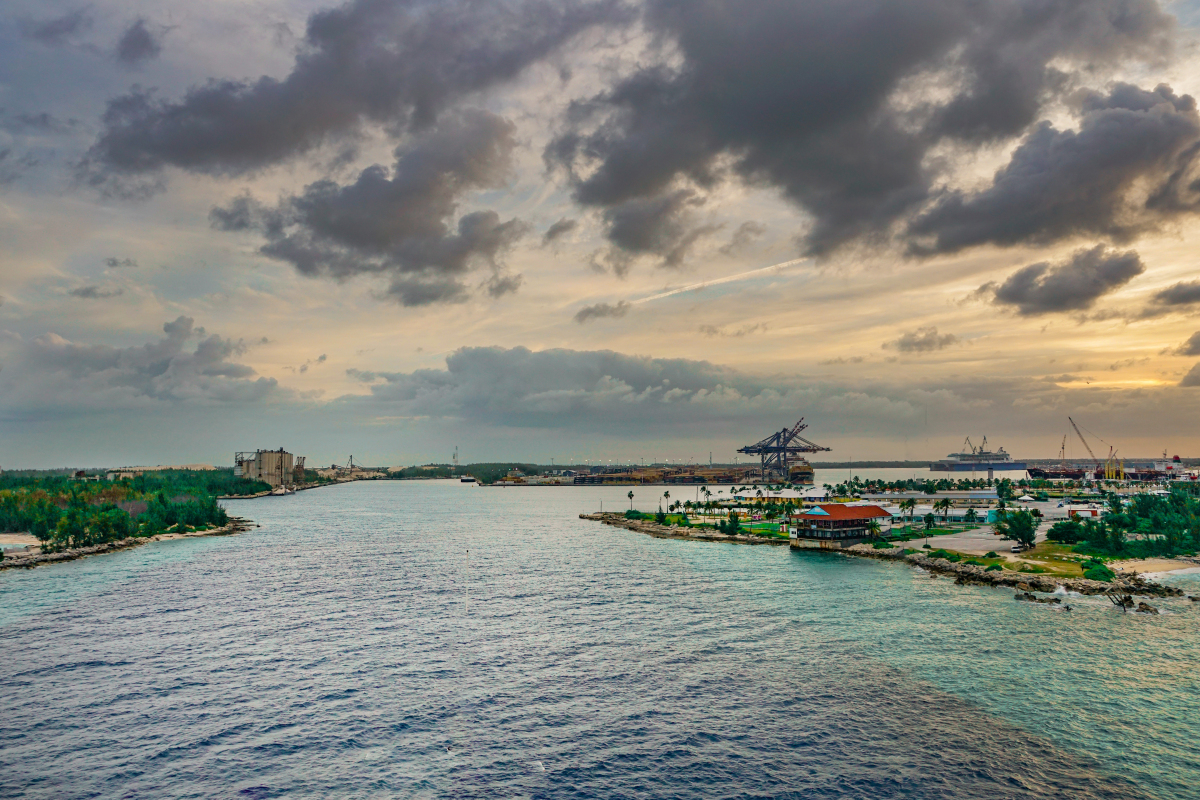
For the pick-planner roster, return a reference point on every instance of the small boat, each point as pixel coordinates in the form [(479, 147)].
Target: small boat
[(466, 479), (280, 491)]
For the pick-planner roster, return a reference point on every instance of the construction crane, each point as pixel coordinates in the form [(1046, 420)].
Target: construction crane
[(1088, 447), (778, 450)]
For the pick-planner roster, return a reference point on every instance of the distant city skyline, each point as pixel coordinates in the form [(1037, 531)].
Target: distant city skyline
[(595, 229)]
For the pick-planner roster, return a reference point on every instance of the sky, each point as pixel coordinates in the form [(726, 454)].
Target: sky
[(596, 230)]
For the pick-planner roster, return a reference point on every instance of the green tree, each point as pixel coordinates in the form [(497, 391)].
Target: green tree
[(971, 517), (1066, 531), (1017, 526)]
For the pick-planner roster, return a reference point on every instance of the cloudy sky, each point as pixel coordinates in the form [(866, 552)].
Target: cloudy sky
[(595, 229)]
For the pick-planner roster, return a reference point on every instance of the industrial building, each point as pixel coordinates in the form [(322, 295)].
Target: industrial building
[(274, 467)]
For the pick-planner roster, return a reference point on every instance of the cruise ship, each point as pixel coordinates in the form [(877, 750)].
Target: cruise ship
[(977, 459)]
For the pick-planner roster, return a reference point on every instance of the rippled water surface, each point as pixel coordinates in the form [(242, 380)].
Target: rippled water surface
[(432, 639)]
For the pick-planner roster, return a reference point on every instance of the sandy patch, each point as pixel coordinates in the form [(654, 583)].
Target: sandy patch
[(17, 538), (1156, 566)]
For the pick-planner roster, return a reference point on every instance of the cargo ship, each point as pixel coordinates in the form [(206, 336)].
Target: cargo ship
[(1061, 473), (977, 459), (801, 472)]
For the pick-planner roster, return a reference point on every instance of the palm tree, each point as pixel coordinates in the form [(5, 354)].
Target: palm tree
[(630, 496), (944, 505), (971, 517), (907, 505), (666, 496), (873, 528)]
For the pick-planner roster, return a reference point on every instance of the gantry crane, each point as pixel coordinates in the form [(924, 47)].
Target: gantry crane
[(778, 450)]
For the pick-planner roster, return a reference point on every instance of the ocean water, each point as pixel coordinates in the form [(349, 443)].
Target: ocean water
[(433, 639)]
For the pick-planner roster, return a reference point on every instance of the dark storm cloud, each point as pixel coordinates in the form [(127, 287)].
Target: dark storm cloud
[(1181, 294), (601, 310), (51, 371), (824, 99), (42, 122), (137, 44), (398, 63), (114, 262), (1070, 285), (499, 285), (1189, 348), (95, 292), (618, 394), (922, 340), (1192, 378), (13, 166), (519, 387), (660, 226), (743, 237), (559, 229), (1060, 184), (398, 222), (59, 30)]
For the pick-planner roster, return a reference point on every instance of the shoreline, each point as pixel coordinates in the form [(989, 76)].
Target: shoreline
[(236, 525), (677, 532), (964, 574), (303, 488)]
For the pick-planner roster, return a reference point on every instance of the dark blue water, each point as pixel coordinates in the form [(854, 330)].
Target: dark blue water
[(439, 640)]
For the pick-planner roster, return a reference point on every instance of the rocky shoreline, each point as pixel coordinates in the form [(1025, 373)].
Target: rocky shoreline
[(39, 559), (971, 575), (677, 531), (963, 574)]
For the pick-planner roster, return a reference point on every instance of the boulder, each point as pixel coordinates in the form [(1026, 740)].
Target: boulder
[(1146, 608)]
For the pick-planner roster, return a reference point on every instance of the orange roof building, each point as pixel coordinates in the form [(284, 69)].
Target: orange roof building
[(834, 525)]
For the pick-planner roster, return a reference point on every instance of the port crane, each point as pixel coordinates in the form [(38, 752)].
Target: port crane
[(1086, 446), (1112, 468), (778, 450)]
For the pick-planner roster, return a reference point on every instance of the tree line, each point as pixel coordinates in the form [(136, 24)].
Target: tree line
[(1140, 526), (64, 513)]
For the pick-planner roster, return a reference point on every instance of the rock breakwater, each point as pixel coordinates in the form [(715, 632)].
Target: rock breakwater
[(677, 531), (36, 558), (964, 574), (971, 574)]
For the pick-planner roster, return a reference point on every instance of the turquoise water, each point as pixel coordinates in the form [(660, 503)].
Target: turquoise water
[(432, 639)]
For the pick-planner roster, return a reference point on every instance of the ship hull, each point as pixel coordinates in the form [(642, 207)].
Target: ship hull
[(977, 466), (1057, 474)]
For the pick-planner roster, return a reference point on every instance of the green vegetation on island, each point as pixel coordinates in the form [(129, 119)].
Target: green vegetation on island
[(65, 513), (1141, 526)]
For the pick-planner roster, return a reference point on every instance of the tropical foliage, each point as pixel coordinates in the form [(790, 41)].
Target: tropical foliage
[(64, 513)]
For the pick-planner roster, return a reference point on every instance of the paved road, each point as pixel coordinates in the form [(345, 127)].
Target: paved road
[(978, 541)]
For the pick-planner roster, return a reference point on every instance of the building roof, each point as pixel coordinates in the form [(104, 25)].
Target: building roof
[(841, 511)]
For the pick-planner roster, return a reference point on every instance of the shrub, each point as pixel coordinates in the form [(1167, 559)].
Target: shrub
[(1067, 531), (881, 545), (1099, 573), (994, 568), (635, 515), (990, 554), (660, 517), (975, 562)]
